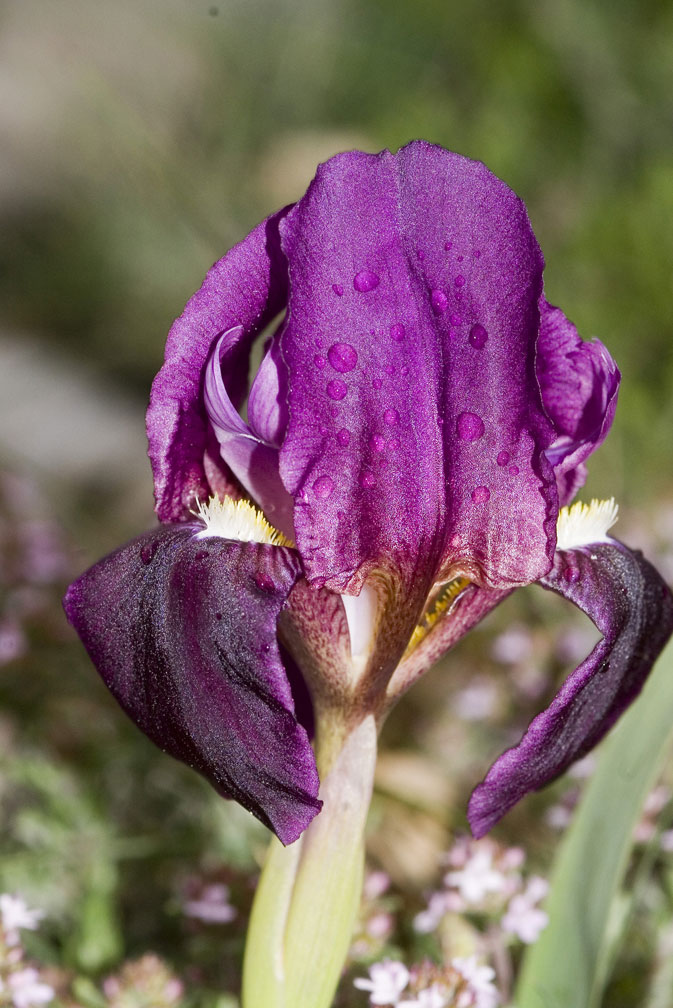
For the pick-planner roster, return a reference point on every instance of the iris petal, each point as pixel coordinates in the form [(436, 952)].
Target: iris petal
[(247, 288), (410, 340), (579, 382), (632, 607), (183, 632)]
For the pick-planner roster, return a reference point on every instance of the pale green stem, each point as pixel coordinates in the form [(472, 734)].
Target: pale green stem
[(309, 893)]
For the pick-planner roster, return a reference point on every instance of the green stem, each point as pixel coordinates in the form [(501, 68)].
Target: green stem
[(309, 893)]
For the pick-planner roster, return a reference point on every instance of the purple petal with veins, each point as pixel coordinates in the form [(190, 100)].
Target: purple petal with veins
[(632, 607), (183, 632)]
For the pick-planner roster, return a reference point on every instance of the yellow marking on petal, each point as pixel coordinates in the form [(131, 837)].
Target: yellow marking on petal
[(447, 597), (584, 524), (238, 520)]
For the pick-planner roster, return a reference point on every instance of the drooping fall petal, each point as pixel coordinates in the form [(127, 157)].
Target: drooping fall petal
[(183, 631), (632, 607), (416, 436)]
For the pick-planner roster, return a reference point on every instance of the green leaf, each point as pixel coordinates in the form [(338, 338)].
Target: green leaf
[(569, 964)]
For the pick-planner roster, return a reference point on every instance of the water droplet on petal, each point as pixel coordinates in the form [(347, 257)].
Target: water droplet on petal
[(481, 494), (470, 426), (323, 487), (404, 370), (503, 458), (460, 280), (455, 318), (460, 258), (477, 254), (397, 332), (264, 582), (513, 470), (342, 356), (343, 437), (571, 573), (377, 442), (338, 290), (478, 336), (377, 383), (365, 280), (147, 552), (439, 301), (319, 361), (367, 480), (448, 246), (391, 417), (337, 389)]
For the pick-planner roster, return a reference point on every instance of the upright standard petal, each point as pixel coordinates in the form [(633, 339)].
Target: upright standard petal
[(632, 607), (246, 288), (579, 382), (416, 433), (183, 632)]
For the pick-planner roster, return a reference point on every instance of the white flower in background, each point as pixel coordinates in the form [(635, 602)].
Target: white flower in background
[(477, 878), (212, 906), (481, 991), (15, 915), (523, 917), (27, 989), (431, 997), (386, 982)]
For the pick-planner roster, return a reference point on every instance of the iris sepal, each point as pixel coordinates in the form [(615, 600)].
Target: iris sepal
[(183, 631)]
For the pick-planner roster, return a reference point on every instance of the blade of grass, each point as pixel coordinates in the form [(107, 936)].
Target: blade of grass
[(569, 964)]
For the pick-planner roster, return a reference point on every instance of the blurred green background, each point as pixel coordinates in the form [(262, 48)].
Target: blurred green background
[(139, 139)]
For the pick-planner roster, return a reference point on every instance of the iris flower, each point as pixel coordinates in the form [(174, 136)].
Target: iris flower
[(420, 417)]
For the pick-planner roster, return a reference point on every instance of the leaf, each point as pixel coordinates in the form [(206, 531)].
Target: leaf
[(569, 964)]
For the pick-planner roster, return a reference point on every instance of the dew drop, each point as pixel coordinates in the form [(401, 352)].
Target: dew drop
[(377, 383), (477, 254), (343, 437), (470, 427), (391, 417), (337, 389), (377, 442), (571, 574), (323, 429), (481, 494), (460, 280), (334, 411), (455, 318), (404, 370), (323, 487), (365, 280), (319, 361), (264, 582), (448, 246), (367, 480), (513, 470), (389, 369), (147, 552), (439, 302), (503, 458), (338, 290), (397, 332), (342, 356), (478, 336), (460, 258)]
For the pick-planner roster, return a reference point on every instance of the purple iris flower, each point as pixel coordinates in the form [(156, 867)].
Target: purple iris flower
[(420, 416)]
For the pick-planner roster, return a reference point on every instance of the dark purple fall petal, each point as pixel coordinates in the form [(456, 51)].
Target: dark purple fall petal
[(632, 607), (579, 382), (247, 288), (183, 632), (406, 389)]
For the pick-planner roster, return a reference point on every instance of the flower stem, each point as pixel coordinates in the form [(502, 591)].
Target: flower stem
[(309, 893)]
